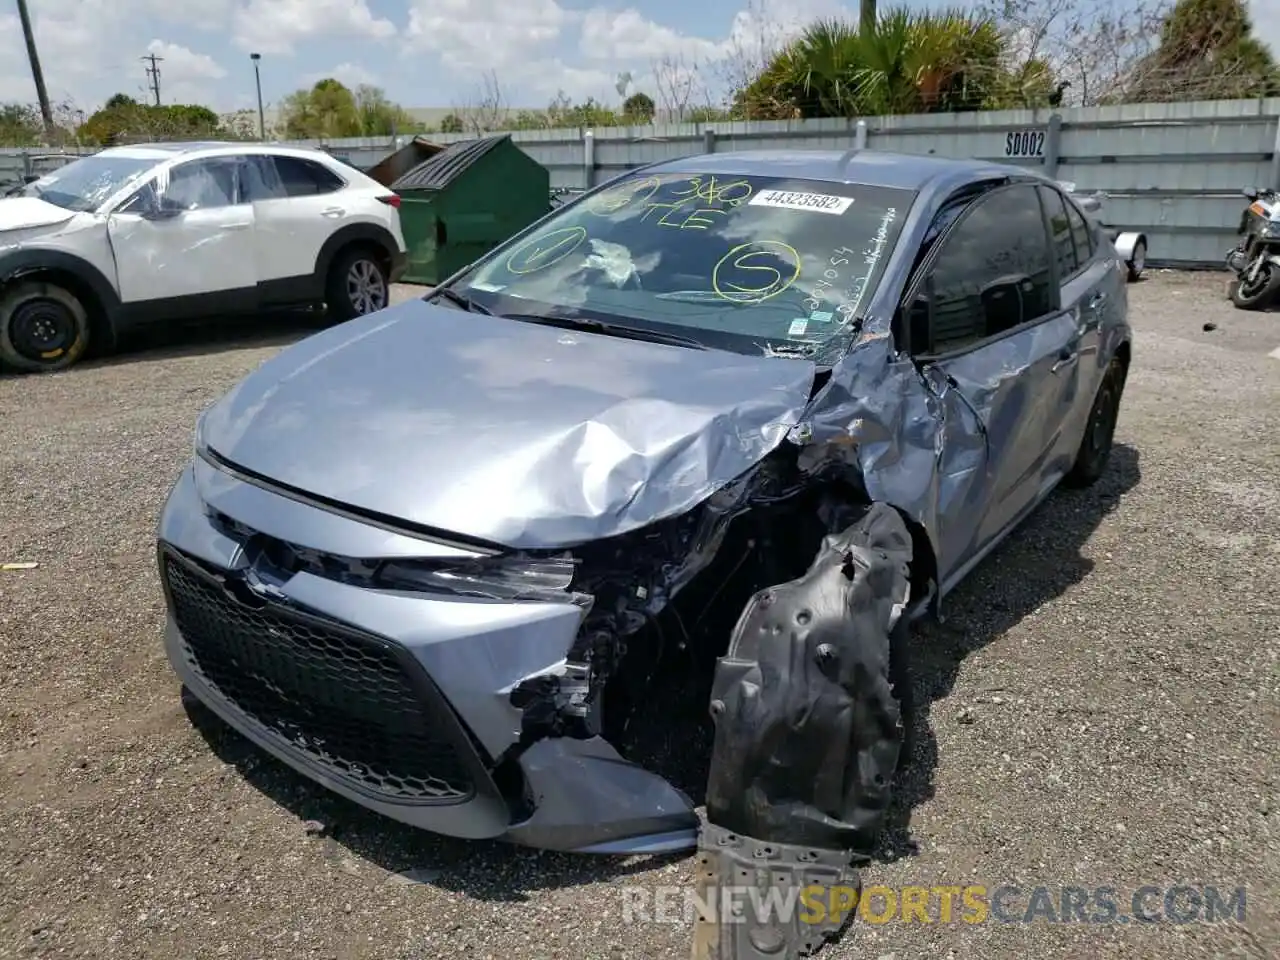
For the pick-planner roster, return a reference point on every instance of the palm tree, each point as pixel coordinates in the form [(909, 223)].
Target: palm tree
[(906, 62)]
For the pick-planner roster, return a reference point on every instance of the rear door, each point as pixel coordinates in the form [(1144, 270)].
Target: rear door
[(298, 205), (1092, 285), (994, 339)]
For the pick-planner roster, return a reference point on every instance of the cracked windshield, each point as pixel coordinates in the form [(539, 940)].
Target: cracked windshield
[(741, 263)]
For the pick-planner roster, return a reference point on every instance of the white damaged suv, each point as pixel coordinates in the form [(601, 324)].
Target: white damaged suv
[(148, 234)]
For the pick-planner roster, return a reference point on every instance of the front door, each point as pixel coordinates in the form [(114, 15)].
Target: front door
[(997, 351), (184, 241)]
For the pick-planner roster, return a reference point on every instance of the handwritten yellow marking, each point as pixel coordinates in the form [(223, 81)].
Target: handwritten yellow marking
[(611, 201), (546, 250), (746, 259)]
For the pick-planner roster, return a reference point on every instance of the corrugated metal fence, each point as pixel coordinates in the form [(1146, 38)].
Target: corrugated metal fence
[(1174, 171)]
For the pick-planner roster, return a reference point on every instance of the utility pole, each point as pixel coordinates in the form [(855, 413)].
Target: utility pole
[(257, 78), (36, 73), (153, 74), (867, 17)]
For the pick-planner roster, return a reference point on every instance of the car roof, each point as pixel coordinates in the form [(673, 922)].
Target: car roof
[(160, 152), (871, 167)]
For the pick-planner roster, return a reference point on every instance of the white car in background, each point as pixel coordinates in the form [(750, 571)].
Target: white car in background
[(140, 235)]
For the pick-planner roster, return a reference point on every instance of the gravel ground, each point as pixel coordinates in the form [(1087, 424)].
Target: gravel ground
[(1103, 703)]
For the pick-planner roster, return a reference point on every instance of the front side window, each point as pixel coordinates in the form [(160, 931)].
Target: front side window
[(746, 263), (85, 184), (201, 184), (993, 271)]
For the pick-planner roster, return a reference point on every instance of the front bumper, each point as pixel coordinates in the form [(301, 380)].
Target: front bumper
[(399, 701)]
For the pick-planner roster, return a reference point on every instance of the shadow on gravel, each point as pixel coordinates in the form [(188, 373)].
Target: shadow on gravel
[(1039, 561), (672, 735), (196, 339)]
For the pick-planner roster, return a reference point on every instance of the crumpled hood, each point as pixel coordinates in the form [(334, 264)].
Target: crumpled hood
[(21, 213), (502, 431)]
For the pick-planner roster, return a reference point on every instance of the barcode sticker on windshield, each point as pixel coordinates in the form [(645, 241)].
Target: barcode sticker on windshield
[(817, 202)]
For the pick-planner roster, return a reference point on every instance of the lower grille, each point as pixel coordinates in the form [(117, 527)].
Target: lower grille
[(342, 699)]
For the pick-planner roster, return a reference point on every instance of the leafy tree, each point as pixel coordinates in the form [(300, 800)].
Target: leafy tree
[(1207, 51), (330, 110), (638, 109), (451, 123), (20, 125), (123, 119)]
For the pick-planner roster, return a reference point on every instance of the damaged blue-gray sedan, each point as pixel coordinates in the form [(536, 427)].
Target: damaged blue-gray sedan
[(429, 557)]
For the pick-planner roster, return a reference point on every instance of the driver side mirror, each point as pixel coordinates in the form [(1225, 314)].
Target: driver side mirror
[(163, 209)]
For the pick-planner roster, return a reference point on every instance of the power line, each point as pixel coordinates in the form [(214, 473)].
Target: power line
[(153, 74)]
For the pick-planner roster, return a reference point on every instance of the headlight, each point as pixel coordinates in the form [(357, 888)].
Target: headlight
[(197, 435), (498, 578)]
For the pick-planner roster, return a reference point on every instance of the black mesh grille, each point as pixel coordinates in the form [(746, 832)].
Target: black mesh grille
[(342, 699)]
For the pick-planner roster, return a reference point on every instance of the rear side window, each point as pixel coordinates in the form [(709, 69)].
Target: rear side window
[(305, 178), (992, 273), (1082, 231), (1064, 249)]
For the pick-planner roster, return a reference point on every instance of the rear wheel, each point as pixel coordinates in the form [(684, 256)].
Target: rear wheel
[(1095, 448), (43, 327), (358, 284)]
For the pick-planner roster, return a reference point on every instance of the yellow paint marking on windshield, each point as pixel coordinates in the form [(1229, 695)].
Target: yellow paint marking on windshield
[(546, 250), (611, 201), (744, 274)]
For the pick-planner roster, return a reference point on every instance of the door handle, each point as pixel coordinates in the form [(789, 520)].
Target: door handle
[(1065, 359), (332, 212)]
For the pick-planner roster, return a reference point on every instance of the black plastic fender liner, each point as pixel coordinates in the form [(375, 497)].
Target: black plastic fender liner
[(808, 730)]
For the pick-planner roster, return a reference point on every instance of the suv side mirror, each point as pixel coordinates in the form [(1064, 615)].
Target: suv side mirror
[(164, 209)]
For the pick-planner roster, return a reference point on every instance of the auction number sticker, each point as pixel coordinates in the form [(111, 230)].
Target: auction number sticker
[(787, 200), (1024, 143)]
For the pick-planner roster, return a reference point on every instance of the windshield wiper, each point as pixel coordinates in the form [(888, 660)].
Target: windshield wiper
[(458, 300), (608, 329)]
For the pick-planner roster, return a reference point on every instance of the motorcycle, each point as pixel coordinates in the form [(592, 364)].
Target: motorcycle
[(1256, 258)]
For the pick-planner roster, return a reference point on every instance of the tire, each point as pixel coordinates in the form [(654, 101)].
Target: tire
[(43, 327), (1259, 294), (358, 284), (1095, 446), (1138, 262)]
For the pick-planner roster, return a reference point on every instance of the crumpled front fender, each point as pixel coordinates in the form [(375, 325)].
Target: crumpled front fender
[(808, 736)]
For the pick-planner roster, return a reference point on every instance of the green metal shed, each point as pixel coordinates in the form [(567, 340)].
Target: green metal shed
[(464, 201)]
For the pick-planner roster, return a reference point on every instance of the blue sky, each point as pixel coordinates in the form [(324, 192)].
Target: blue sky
[(424, 53)]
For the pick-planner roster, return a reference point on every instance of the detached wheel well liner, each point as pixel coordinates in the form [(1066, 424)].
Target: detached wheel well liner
[(809, 731), (77, 276)]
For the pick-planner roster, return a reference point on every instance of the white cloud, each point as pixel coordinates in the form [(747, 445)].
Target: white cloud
[(276, 26), (631, 36), (486, 34), (348, 74), (185, 76)]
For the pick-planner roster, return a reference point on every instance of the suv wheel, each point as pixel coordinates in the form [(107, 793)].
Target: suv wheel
[(358, 284), (43, 327)]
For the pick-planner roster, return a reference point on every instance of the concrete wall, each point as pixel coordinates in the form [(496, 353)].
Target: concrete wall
[(1174, 171)]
